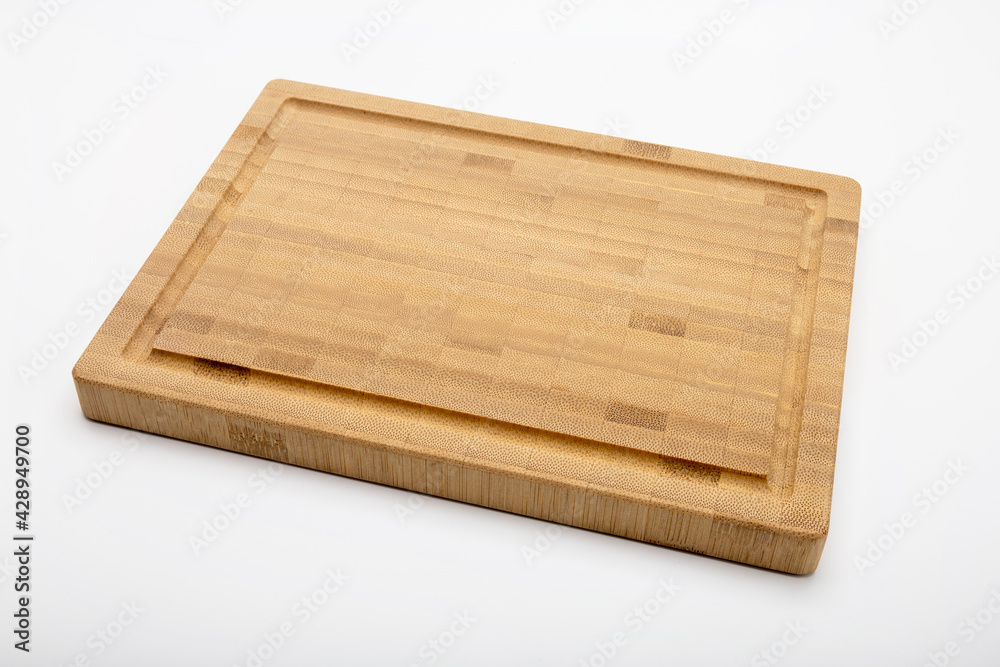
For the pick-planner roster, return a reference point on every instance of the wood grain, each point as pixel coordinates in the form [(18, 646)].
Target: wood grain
[(616, 335)]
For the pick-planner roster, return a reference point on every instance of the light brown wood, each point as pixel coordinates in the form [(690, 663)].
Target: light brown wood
[(621, 336)]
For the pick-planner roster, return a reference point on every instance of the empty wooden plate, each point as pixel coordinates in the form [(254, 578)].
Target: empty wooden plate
[(611, 334)]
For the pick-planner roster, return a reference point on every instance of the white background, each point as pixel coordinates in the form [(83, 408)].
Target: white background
[(608, 64)]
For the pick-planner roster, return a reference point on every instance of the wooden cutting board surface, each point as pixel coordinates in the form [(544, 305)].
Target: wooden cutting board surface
[(571, 313)]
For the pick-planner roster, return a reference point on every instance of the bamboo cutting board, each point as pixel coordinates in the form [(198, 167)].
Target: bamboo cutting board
[(611, 334)]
